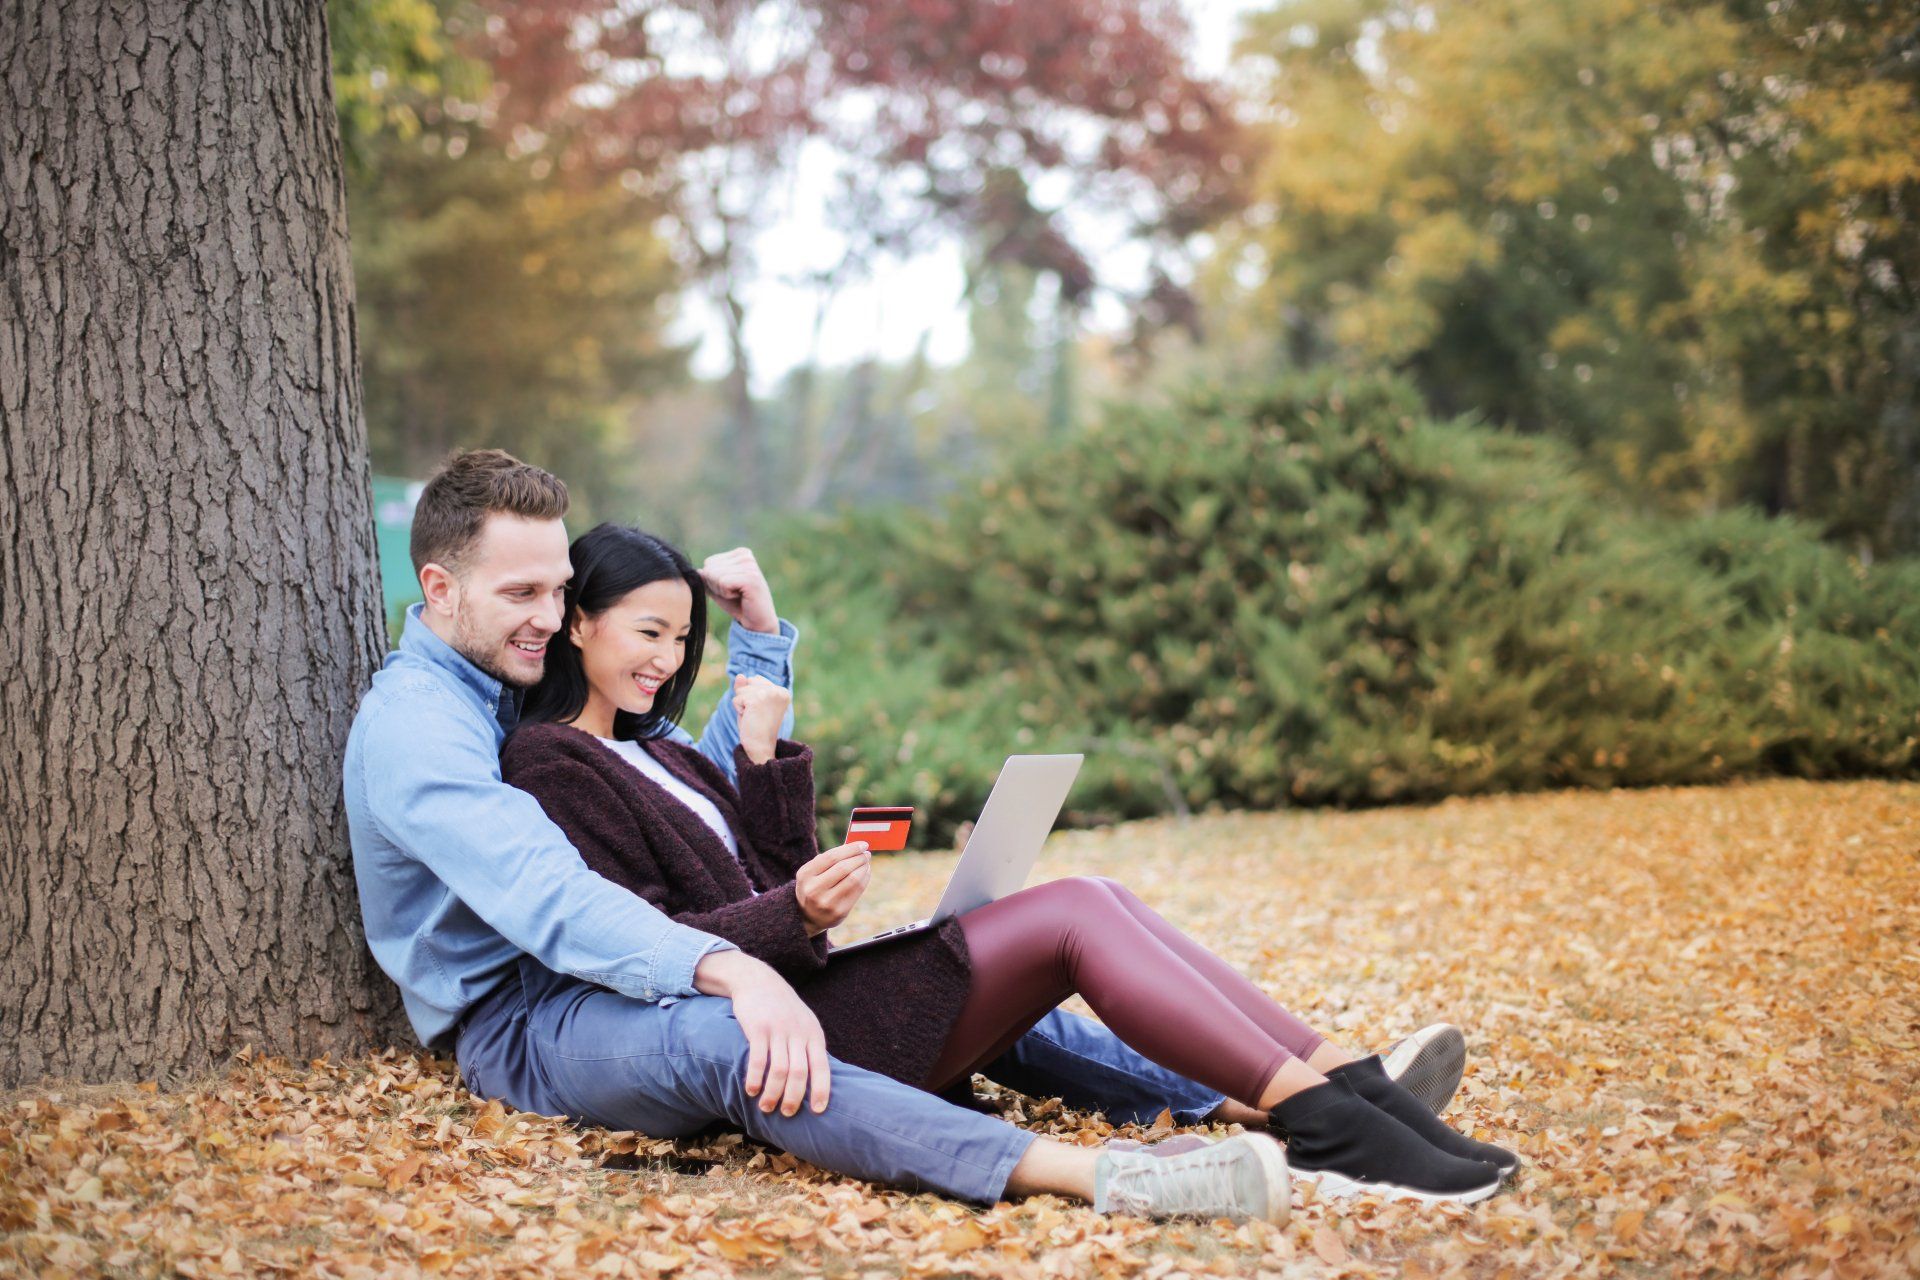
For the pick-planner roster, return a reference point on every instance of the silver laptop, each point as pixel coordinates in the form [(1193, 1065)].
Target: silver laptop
[(1005, 843)]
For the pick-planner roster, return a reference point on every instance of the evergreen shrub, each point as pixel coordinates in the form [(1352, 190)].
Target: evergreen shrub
[(1311, 593)]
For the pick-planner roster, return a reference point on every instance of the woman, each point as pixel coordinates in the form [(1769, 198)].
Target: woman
[(740, 862)]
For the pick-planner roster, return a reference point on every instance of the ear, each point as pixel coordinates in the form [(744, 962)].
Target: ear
[(440, 589), (574, 632)]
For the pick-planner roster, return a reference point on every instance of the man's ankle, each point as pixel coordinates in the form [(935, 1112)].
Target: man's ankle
[(1054, 1169)]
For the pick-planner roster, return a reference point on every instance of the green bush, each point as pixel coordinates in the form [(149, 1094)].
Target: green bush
[(1311, 593), (886, 725)]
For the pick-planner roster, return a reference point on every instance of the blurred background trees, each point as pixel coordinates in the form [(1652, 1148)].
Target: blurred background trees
[(1616, 301), (1682, 237), (539, 187)]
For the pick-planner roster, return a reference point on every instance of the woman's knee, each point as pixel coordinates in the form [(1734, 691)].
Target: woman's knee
[(1072, 897), (1041, 916), (1114, 887), (1079, 900), (1100, 892)]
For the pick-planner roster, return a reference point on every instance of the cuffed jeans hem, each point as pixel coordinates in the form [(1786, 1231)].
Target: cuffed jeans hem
[(994, 1188)]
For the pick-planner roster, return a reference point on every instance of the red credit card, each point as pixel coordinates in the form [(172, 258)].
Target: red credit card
[(884, 829)]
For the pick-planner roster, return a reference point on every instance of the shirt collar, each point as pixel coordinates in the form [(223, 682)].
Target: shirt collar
[(418, 639)]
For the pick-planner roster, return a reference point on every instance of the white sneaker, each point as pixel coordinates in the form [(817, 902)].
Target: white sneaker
[(1428, 1064), (1178, 1145), (1241, 1177)]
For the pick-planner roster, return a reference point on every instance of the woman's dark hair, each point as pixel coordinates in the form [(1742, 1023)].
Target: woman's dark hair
[(610, 560)]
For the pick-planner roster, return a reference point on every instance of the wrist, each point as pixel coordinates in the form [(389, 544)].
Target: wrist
[(810, 918), (759, 617), (759, 750), (724, 973)]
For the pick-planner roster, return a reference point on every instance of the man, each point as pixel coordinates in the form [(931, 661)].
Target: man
[(561, 993)]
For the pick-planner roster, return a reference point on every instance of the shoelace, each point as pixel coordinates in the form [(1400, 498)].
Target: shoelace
[(1201, 1182)]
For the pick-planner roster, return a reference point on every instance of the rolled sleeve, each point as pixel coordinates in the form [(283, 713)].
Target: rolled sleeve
[(752, 653), (679, 954), (762, 653)]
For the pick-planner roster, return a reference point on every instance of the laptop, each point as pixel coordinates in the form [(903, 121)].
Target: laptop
[(1005, 843)]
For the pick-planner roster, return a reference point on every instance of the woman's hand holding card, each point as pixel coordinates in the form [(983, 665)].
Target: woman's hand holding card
[(831, 883)]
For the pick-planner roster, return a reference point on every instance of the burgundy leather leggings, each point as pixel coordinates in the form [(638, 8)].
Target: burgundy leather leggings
[(1163, 993)]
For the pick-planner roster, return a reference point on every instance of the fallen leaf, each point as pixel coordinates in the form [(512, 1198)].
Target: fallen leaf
[(1803, 894), (401, 1174), (663, 1262), (964, 1238)]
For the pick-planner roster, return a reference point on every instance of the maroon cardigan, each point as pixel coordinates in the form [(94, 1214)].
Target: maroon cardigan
[(888, 1008)]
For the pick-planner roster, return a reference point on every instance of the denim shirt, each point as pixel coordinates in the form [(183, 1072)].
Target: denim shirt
[(459, 873)]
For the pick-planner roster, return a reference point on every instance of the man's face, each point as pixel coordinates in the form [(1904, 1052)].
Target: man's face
[(506, 604)]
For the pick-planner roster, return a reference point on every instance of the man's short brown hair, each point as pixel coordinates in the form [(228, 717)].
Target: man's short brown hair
[(473, 485)]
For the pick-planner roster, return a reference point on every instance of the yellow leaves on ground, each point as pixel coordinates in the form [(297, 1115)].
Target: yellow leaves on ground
[(1693, 1012)]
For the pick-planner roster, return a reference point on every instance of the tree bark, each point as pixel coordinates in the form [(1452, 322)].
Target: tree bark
[(189, 608)]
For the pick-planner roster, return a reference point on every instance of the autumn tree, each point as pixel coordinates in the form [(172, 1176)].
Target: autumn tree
[(1684, 237), (188, 609), (946, 118), (504, 306)]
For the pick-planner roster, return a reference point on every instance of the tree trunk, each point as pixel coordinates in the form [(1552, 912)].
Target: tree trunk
[(743, 417), (1900, 436), (188, 602)]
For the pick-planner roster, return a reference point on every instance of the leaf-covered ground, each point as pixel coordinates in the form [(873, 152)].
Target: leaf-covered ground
[(1695, 1012)]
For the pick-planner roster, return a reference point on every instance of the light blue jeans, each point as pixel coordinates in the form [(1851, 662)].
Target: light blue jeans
[(552, 1044)]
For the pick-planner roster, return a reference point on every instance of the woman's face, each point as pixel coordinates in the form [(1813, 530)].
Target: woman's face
[(636, 645)]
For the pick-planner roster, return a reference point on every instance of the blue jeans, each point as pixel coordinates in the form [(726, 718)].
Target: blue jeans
[(1086, 1066), (552, 1044)]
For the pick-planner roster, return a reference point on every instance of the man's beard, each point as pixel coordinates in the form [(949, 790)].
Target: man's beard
[(472, 646)]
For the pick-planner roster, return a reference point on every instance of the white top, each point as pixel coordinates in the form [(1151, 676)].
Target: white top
[(704, 809)]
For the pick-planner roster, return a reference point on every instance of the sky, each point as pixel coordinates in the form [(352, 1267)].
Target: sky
[(905, 299)]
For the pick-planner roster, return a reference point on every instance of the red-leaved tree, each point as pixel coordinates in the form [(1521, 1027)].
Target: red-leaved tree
[(947, 115)]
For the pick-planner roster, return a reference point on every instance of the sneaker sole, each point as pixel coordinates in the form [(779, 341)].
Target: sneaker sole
[(1429, 1064), (1338, 1186)]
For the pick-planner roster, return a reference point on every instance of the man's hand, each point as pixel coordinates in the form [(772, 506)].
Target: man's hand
[(829, 884), (786, 1049), (760, 705), (735, 582)]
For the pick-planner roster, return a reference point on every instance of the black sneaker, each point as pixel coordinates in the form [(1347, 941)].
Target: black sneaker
[(1429, 1063), (1351, 1147), (1369, 1079)]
